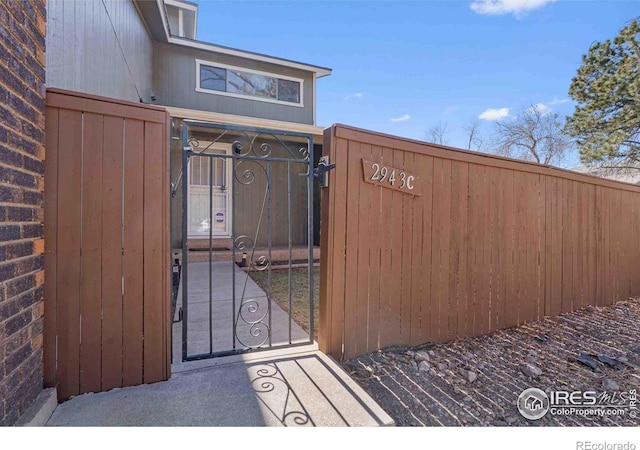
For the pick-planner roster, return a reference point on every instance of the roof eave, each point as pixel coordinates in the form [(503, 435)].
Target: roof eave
[(191, 43)]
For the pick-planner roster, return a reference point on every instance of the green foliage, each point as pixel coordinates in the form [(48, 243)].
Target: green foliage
[(606, 121)]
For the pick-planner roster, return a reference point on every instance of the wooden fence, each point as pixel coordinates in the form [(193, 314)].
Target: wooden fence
[(107, 303), (480, 243)]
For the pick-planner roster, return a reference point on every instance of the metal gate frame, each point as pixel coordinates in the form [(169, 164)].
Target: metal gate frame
[(234, 157)]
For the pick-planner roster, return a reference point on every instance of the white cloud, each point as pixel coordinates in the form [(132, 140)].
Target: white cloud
[(355, 96), (558, 101), (401, 118), (494, 114), (541, 108), (500, 7)]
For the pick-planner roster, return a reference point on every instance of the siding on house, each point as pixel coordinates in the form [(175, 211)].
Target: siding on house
[(174, 71), (22, 117), (100, 48)]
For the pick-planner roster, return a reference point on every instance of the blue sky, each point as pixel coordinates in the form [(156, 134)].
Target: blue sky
[(400, 67)]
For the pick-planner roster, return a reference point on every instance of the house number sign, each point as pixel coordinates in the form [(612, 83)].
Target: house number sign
[(390, 177)]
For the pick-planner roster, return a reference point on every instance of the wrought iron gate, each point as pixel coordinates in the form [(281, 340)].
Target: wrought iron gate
[(255, 223)]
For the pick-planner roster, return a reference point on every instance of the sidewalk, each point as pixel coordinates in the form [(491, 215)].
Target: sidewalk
[(290, 387)]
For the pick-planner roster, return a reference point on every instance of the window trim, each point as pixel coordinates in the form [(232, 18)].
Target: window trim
[(201, 62)]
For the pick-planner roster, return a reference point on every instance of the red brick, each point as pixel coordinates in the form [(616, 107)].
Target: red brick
[(39, 278), (22, 123), (36, 342), (38, 246)]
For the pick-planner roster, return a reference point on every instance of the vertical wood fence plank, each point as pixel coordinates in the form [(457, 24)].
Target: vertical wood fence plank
[(600, 236), (445, 248), (132, 357), (474, 255), (604, 247), (351, 310), (362, 264), (558, 254), (436, 243), (548, 243), (339, 245), (426, 273), (495, 229), (386, 230), (68, 260), (394, 332), (112, 252), (327, 300), (499, 252), (154, 356), (455, 245), (375, 236), (567, 245), (418, 272), (406, 271), (91, 245)]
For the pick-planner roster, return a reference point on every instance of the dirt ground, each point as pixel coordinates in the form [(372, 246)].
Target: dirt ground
[(476, 382)]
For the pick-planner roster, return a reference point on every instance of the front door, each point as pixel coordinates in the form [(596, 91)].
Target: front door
[(209, 187)]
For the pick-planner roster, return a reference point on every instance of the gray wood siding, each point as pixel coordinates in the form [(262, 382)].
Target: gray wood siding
[(83, 53), (175, 82)]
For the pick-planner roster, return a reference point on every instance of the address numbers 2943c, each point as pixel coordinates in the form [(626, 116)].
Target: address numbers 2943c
[(390, 177)]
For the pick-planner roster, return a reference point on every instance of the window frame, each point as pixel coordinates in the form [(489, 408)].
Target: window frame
[(201, 62)]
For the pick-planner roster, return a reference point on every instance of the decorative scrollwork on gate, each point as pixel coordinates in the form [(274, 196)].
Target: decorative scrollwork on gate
[(198, 147), (253, 312)]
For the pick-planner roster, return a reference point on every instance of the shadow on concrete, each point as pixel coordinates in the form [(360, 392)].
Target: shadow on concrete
[(267, 389)]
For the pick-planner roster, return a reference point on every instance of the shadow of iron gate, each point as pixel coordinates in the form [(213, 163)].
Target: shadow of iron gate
[(251, 191)]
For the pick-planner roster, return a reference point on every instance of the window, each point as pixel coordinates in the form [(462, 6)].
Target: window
[(199, 171), (235, 82)]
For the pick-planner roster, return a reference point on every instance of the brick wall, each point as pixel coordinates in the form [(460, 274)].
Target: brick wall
[(22, 92)]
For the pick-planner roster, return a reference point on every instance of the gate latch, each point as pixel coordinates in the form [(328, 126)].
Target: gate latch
[(320, 172)]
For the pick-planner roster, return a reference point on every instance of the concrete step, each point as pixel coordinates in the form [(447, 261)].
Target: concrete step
[(291, 387)]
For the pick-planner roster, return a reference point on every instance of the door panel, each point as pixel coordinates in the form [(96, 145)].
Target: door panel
[(210, 177)]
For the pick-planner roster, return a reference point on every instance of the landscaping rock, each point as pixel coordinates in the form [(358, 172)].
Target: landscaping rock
[(422, 356), (424, 366), (530, 370), (471, 376), (609, 385)]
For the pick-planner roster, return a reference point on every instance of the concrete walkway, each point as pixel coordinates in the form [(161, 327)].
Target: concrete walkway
[(296, 386), (257, 325), (272, 388)]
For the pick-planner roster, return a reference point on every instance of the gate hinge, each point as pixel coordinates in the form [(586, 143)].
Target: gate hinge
[(179, 316), (320, 172)]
